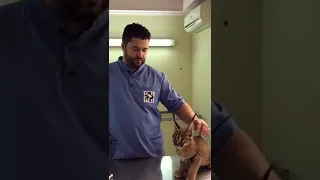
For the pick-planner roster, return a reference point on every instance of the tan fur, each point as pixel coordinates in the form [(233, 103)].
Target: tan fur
[(186, 148)]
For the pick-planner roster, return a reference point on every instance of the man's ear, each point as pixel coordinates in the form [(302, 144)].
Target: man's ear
[(122, 46)]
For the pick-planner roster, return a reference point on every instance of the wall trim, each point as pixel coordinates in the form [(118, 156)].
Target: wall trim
[(147, 13)]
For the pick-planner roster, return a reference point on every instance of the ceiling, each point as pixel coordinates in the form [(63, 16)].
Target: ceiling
[(153, 6), (150, 5), (179, 7)]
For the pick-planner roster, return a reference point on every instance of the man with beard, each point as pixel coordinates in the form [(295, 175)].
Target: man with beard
[(135, 89), (53, 74)]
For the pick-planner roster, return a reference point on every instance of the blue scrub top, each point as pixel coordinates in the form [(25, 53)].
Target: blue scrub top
[(223, 127), (53, 96), (134, 125)]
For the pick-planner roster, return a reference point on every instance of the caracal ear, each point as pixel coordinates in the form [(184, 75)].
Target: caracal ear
[(176, 127), (190, 129)]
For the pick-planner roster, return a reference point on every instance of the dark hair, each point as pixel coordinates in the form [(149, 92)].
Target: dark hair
[(135, 30)]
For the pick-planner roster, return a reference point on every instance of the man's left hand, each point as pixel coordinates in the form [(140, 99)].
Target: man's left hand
[(202, 127)]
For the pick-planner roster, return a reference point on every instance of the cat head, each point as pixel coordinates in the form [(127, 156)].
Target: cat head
[(182, 137), (184, 143)]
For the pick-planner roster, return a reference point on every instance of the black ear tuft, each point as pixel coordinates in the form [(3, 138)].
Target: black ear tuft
[(189, 129), (176, 128)]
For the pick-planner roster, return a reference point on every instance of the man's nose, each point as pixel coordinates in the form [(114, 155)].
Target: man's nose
[(139, 54)]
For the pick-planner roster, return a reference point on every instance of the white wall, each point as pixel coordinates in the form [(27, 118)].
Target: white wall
[(236, 61), (291, 88), (151, 5), (201, 74), (266, 71)]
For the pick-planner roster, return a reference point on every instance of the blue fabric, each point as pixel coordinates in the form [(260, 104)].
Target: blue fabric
[(223, 126), (134, 120), (53, 96)]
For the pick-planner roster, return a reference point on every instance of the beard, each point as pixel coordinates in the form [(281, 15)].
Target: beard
[(134, 62)]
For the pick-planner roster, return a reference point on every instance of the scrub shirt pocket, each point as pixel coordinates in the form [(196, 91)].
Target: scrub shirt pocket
[(157, 143)]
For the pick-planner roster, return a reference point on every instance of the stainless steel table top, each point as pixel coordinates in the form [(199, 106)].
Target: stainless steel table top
[(161, 168)]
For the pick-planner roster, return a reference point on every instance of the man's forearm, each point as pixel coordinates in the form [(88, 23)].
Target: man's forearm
[(185, 113), (240, 158)]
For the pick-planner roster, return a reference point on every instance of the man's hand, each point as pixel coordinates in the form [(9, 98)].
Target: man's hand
[(202, 127), (186, 114)]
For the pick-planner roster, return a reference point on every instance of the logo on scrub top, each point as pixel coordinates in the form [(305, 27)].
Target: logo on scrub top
[(148, 96)]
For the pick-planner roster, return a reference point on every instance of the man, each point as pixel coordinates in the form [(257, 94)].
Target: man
[(235, 156), (53, 74), (135, 89)]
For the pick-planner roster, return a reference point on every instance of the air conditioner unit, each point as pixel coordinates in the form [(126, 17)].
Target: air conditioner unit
[(198, 19)]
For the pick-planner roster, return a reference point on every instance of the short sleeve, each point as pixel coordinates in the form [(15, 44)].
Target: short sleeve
[(223, 126), (169, 97)]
